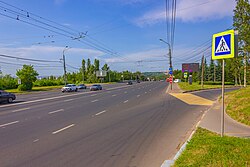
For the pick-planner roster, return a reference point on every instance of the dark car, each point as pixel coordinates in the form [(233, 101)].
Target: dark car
[(129, 83), (96, 87), (6, 97), (82, 86)]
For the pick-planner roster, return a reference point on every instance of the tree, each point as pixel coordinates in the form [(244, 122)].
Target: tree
[(27, 75), (96, 65), (88, 65)]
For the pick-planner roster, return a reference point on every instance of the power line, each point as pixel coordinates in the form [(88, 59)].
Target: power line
[(20, 58)]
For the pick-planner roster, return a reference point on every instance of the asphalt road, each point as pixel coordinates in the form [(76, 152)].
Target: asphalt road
[(137, 125)]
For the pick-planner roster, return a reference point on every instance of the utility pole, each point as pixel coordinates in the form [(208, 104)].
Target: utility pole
[(245, 70), (202, 72), (64, 65), (170, 62)]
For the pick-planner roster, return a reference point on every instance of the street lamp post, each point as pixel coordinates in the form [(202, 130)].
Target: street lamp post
[(170, 61), (64, 65)]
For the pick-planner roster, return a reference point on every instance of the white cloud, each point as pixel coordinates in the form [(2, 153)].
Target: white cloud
[(73, 56), (191, 11)]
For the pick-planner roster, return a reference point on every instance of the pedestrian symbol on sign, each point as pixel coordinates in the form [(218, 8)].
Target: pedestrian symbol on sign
[(222, 45)]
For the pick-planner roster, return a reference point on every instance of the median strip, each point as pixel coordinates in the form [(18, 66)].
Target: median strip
[(60, 130), (10, 123)]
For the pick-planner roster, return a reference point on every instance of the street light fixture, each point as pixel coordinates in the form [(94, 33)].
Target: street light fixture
[(64, 65), (170, 61)]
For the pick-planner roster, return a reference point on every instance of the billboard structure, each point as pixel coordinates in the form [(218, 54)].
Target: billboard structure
[(190, 67), (101, 73)]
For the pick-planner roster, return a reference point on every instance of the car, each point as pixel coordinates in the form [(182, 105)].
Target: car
[(177, 80), (7, 97), (138, 81), (96, 87), (129, 83), (82, 86), (69, 88)]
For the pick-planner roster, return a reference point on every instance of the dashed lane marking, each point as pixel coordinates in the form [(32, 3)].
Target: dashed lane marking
[(94, 100), (10, 123), (125, 101), (53, 112), (22, 109), (60, 130), (101, 112), (68, 100)]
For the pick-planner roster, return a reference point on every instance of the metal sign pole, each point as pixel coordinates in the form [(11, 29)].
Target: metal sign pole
[(223, 103)]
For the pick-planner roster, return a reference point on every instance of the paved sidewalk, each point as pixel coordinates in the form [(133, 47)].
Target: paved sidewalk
[(212, 122), (212, 119)]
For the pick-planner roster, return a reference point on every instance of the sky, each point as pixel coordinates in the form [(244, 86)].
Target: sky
[(122, 33)]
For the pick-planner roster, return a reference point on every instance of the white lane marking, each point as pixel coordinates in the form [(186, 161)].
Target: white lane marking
[(68, 100), (100, 112), (125, 101), (138, 95), (146, 92), (94, 100), (52, 112), (93, 95), (35, 140), (22, 109), (125, 92), (10, 123), (67, 127), (113, 95)]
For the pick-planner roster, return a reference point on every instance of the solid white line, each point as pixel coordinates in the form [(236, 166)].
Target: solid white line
[(22, 109), (10, 123), (68, 100), (113, 95), (125, 101), (52, 112), (94, 100), (67, 127), (100, 112)]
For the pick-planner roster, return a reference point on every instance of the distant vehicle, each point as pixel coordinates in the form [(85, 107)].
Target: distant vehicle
[(129, 83), (138, 81), (177, 80), (96, 87), (82, 86), (7, 97), (70, 88)]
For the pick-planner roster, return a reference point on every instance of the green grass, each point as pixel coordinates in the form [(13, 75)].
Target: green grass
[(195, 86), (209, 149), (35, 89), (238, 105)]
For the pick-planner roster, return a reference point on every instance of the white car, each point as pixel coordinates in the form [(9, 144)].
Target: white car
[(69, 88), (177, 80)]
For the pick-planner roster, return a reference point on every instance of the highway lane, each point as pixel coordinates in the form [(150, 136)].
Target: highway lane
[(138, 125)]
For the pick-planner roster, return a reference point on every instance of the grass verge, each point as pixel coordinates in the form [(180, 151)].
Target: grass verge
[(196, 86), (209, 149), (35, 89), (238, 105)]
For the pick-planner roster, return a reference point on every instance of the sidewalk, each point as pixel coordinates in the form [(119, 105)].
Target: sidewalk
[(212, 119)]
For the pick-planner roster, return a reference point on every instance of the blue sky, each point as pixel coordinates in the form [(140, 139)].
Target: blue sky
[(129, 29)]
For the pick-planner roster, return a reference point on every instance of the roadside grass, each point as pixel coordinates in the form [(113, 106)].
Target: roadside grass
[(196, 86), (238, 105), (35, 89), (209, 149)]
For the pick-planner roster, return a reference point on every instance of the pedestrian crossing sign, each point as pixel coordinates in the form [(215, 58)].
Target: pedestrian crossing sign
[(223, 45)]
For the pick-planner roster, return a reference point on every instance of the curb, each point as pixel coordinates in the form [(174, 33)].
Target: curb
[(187, 91)]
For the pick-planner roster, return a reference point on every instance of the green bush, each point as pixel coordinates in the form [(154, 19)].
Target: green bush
[(215, 83), (25, 87)]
